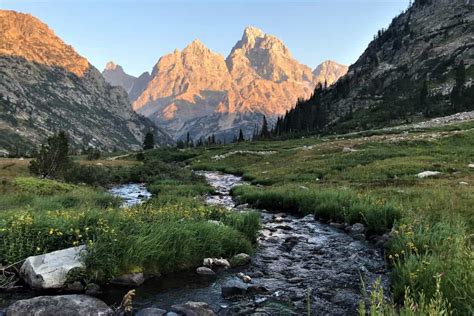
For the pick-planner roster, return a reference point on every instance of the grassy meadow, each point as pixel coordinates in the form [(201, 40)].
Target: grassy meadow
[(170, 232), (371, 178)]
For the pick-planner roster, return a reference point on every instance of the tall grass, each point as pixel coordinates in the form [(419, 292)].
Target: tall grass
[(339, 205)]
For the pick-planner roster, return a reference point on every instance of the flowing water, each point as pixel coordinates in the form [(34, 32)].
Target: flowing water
[(299, 263)]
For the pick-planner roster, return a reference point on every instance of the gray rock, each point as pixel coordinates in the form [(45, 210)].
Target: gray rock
[(337, 225), (357, 228), (215, 262), (194, 309), (205, 271), (240, 259), (244, 277), (233, 287), (151, 311), (50, 270), (62, 305), (130, 279)]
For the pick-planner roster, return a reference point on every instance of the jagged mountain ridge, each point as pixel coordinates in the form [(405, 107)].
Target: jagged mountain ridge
[(46, 86), (198, 91)]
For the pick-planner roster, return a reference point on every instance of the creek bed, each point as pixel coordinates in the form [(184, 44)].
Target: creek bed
[(296, 258)]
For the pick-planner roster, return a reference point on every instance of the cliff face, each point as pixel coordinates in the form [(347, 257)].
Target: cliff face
[(45, 86), (423, 46), (200, 92)]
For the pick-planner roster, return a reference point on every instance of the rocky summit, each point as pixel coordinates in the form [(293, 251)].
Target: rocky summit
[(201, 92), (45, 86)]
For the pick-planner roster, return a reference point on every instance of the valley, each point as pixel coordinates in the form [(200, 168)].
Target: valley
[(237, 180)]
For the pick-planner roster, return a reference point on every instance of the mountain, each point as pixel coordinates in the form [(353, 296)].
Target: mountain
[(329, 72), (46, 86), (115, 75), (198, 91), (416, 68)]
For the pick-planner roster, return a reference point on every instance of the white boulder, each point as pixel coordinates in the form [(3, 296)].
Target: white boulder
[(50, 270), (426, 174)]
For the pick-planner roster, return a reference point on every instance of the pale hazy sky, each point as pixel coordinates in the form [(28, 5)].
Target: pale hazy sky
[(135, 34)]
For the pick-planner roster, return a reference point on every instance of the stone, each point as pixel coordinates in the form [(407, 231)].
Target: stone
[(358, 236), (193, 309), (463, 183), (215, 262), (244, 277), (233, 287), (50, 270), (130, 279), (348, 150), (151, 311), (357, 228), (471, 165), (205, 271), (240, 259), (93, 289), (426, 174), (62, 305), (337, 225)]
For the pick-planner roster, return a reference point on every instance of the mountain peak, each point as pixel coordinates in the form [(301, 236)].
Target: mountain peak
[(253, 32), (25, 36), (111, 66), (196, 45)]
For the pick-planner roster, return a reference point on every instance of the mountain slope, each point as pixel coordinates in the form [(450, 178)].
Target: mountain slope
[(200, 92), (46, 86), (410, 69), (329, 72)]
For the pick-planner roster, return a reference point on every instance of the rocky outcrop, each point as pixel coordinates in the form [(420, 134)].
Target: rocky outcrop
[(51, 270), (200, 92), (45, 86), (63, 305)]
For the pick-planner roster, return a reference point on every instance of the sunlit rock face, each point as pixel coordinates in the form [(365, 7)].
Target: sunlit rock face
[(198, 91), (45, 86)]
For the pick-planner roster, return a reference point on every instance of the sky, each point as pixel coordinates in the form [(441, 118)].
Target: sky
[(135, 34)]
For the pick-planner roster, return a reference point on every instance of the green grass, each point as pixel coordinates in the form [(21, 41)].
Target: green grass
[(170, 232), (377, 185)]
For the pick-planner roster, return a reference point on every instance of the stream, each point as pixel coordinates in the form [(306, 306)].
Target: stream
[(298, 261), (299, 264)]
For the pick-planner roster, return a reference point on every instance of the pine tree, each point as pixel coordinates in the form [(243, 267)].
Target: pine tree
[(456, 93), (423, 98), (188, 140), (241, 136), (52, 159), (265, 133), (149, 141)]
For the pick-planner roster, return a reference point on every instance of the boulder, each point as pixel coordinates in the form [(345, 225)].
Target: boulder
[(234, 287), (50, 270), (193, 309), (244, 277), (62, 305), (205, 271), (426, 174), (357, 228), (151, 312), (240, 259), (130, 279), (215, 262)]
